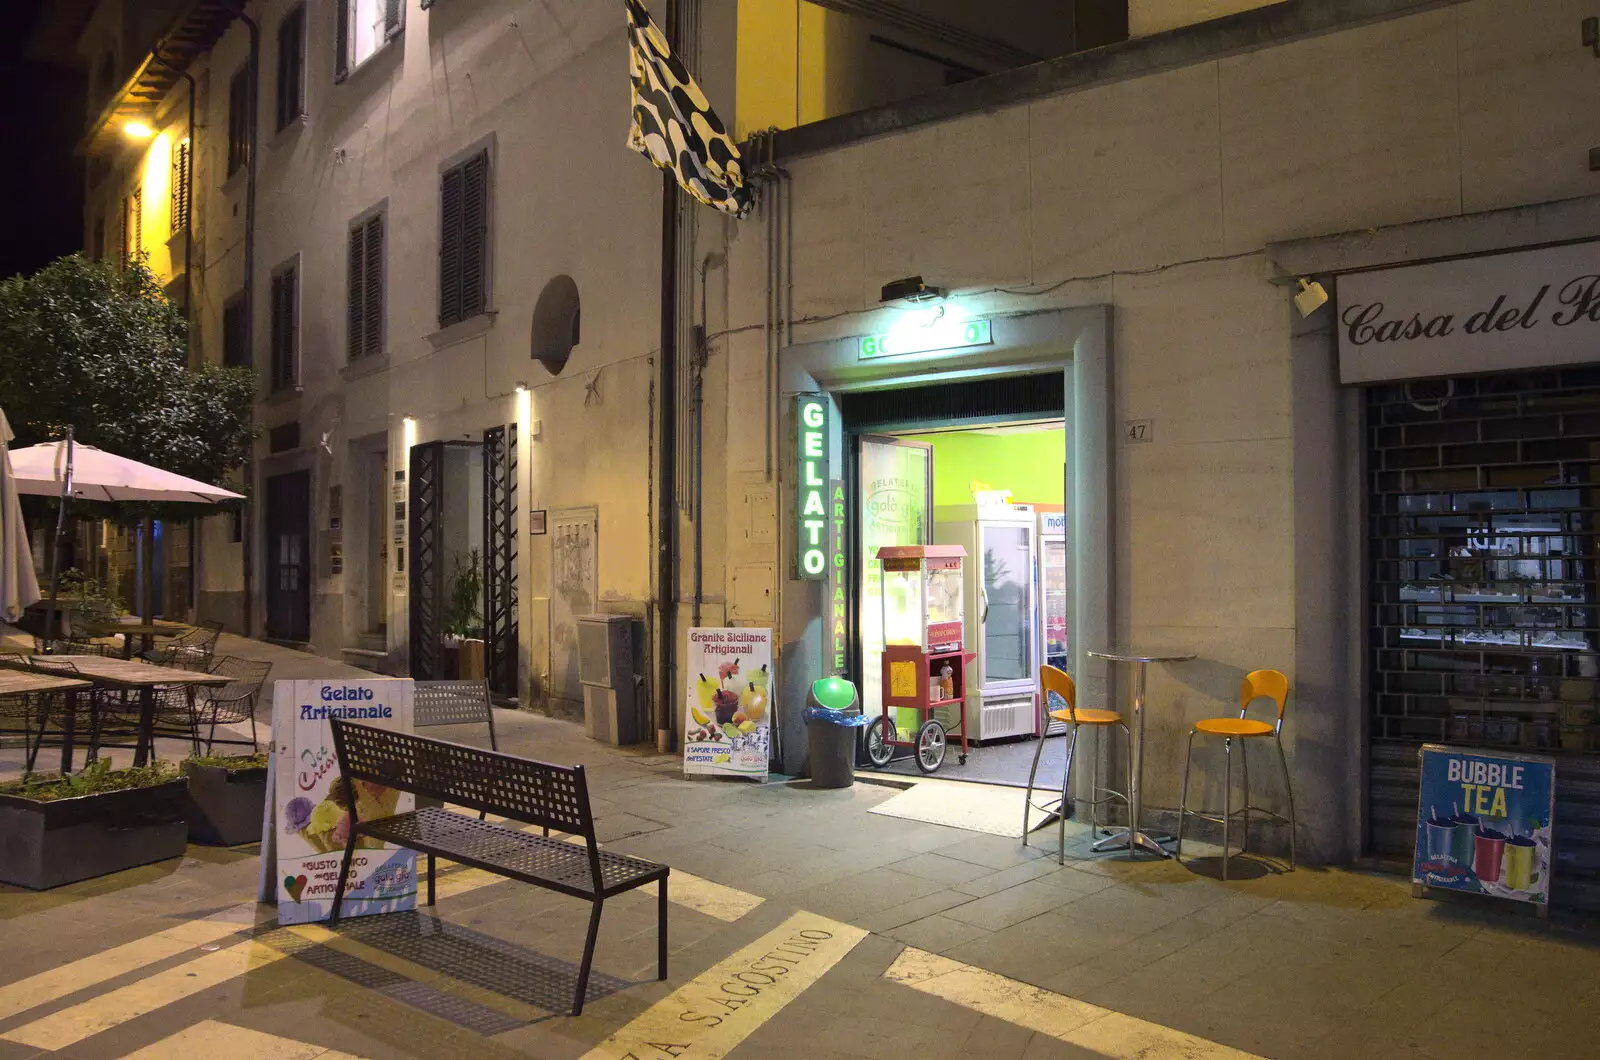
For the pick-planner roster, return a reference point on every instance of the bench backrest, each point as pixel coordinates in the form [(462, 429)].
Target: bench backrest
[(453, 703), (519, 788)]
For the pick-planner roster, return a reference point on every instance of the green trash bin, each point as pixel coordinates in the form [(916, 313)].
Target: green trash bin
[(831, 727)]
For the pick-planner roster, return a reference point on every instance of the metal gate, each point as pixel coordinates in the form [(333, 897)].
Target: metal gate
[(1483, 515), (427, 560), (500, 558)]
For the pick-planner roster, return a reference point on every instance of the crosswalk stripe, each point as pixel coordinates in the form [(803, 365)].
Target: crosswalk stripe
[(47, 986), (215, 1038), (1078, 1023), (73, 1024), (707, 1017)]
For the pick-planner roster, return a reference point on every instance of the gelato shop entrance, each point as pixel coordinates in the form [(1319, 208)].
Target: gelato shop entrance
[(974, 476)]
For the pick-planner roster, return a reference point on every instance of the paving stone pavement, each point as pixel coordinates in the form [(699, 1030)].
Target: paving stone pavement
[(1024, 958)]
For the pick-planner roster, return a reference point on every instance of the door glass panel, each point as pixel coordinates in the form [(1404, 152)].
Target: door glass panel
[(893, 491), (1008, 585)]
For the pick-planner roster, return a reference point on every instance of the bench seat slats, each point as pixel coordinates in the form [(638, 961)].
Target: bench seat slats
[(530, 858)]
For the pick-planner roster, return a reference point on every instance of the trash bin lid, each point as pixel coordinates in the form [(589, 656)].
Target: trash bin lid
[(834, 693), (836, 717)]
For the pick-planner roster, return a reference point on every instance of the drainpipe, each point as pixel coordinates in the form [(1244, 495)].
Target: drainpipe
[(247, 543), (666, 556)]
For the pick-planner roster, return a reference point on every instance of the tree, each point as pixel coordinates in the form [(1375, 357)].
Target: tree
[(102, 349)]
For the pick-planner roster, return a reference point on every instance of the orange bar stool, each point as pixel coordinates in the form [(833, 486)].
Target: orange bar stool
[(1052, 680), (1261, 684)]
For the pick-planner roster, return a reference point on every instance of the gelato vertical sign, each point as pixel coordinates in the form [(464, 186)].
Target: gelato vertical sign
[(1483, 823), (313, 803), (811, 486), (729, 725)]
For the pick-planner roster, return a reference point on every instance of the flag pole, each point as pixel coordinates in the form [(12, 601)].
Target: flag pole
[(55, 552)]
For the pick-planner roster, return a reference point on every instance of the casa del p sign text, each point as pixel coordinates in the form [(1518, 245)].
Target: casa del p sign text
[(1525, 309)]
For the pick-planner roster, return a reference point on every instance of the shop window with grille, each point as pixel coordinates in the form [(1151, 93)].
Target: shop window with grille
[(464, 240), (1483, 508)]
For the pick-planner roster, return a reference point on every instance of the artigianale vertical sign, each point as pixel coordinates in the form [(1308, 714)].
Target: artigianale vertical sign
[(811, 487)]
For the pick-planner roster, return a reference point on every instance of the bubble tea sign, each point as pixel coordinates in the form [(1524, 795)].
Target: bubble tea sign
[(1484, 823), (312, 808)]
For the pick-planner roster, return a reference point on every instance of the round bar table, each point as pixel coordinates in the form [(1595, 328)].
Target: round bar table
[(1131, 837)]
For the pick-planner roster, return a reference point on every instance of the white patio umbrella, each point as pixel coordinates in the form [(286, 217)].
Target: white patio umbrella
[(19, 587), (102, 476), (66, 469)]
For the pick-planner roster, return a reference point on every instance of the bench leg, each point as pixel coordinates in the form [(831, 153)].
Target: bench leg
[(588, 958), (430, 879), (344, 876), (661, 932)]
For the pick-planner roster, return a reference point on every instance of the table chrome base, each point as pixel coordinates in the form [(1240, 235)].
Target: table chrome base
[(1138, 841)]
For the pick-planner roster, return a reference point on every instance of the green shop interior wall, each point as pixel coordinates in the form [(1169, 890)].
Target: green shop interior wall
[(1029, 465)]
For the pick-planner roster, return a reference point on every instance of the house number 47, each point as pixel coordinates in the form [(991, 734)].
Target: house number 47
[(1136, 432)]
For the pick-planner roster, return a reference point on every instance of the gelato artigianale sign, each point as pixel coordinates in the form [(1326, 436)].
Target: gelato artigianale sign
[(1499, 312), (811, 487)]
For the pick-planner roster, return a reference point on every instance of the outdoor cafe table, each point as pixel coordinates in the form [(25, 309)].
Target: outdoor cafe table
[(124, 675), (144, 631), (1132, 837), (21, 682)]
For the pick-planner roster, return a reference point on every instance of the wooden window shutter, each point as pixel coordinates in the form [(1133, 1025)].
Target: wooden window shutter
[(291, 72), (373, 298), (341, 41), (355, 343), (283, 329), (393, 17), (450, 248), (475, 234), (180, 186)]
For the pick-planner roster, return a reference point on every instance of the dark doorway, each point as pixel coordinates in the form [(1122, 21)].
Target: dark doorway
[(289, 557)]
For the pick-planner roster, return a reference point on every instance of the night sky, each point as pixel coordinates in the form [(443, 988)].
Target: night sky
[(41, 121)]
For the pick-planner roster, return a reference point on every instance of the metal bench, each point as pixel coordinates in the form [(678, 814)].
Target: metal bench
[(520, 789), (453, 703)]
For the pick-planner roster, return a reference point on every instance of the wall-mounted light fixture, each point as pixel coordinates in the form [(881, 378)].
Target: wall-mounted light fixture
[(138, 130), (911, 289), (1311, 297)]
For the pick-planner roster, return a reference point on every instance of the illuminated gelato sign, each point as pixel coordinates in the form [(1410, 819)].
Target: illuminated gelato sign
[(811, 487), (941, 335)]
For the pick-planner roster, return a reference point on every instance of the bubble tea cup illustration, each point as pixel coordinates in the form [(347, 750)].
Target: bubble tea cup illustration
[(1519, 862), (1441, 838), (1490, 850), (1462, 849)]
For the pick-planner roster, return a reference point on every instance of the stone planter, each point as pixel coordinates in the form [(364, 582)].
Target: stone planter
[(225, 807), (47, 844)]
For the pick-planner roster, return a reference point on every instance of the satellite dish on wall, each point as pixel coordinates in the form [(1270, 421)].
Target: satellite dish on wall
[(555, 323)]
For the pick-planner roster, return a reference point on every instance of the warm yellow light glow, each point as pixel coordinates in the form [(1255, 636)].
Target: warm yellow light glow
[(138, 130)]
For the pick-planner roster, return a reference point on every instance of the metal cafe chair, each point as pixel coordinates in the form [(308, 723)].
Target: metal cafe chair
[(232, 702), (1259, 684), (1060, 684)]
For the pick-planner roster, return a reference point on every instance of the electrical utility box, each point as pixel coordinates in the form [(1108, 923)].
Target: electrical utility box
[(611, 703)]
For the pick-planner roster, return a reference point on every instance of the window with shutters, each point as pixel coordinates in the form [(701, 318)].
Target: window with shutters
[(180, 185), (365, 26), (284, 326), (365, 293), (292, 67), (236, 332), (464, 240), (133, 225), (241, 120)]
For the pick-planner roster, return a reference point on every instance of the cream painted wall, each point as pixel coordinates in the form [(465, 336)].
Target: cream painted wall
[(1156, 16), (1159, 195), (543, 83)]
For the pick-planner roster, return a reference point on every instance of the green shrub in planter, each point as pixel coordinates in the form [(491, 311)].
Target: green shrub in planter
[(56, 830), (226, 797)]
